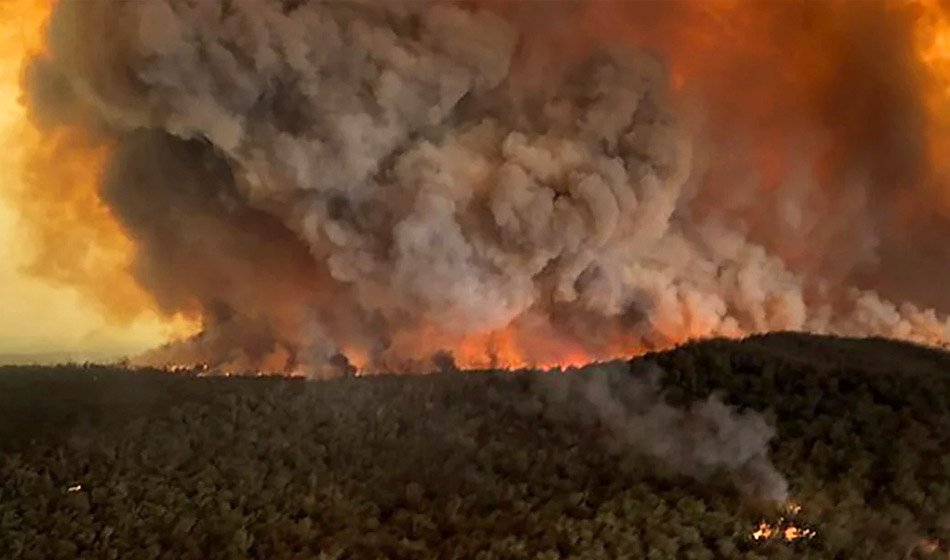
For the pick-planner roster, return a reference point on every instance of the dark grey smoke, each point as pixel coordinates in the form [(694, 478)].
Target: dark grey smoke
[(374, 180)]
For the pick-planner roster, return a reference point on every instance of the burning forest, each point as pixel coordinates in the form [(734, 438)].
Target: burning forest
[(348, 188), (322, 187)]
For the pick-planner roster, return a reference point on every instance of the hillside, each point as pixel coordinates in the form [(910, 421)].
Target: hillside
[(106, 463)]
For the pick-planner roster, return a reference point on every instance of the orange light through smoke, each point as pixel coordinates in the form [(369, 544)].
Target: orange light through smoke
[(51, 177), (932, 36), (58, 229)]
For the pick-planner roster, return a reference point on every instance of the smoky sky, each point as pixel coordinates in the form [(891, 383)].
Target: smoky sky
[(390, 180)]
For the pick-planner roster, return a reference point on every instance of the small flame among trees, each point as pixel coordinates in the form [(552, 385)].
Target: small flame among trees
[(783, 528)]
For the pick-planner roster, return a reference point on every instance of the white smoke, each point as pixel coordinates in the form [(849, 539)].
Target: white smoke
[(388, 139)]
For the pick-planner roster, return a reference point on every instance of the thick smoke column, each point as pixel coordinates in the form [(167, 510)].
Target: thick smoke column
[(382, 183)]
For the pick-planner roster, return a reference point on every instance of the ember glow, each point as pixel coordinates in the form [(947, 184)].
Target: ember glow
[(783, 528), (789, 533), (340, 187)]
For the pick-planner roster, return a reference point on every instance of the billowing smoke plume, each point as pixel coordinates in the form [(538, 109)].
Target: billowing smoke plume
[(707, 438), (381, 183)]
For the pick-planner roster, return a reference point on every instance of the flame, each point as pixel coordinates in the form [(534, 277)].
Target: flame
[(53, 174), (783, 529), (789, 532), (524, 344), (508, 349), (66, 235)]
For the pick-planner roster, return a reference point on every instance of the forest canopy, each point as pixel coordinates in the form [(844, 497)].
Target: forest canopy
[(101, 462)]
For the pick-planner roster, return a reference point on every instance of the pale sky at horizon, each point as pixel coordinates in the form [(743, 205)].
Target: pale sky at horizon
[(38, 317)]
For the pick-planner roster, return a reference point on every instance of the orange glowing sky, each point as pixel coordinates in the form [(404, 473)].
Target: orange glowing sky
[(43, 316), (66, 288)]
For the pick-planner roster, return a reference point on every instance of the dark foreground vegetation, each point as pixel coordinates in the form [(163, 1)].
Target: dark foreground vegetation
[(109, 464)]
